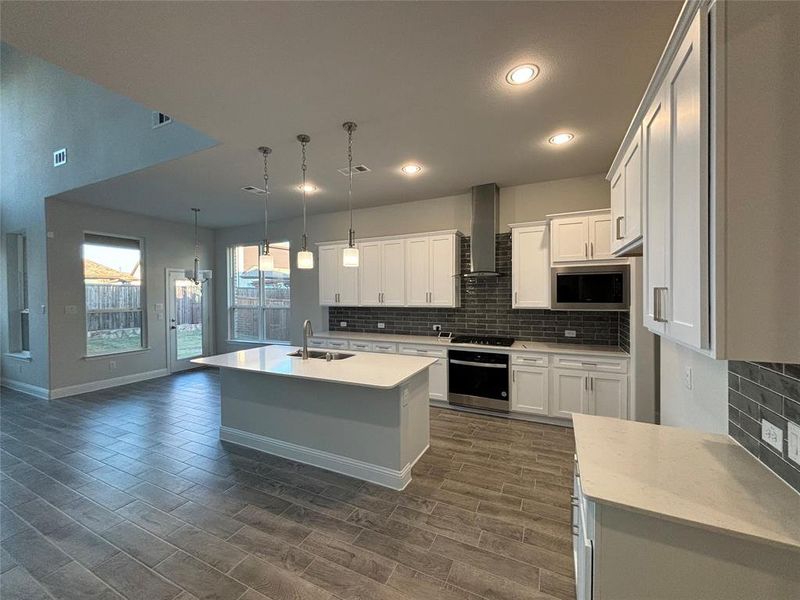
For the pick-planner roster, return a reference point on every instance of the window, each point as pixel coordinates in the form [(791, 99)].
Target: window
[(259, 302), (112, 278), (18, 309)]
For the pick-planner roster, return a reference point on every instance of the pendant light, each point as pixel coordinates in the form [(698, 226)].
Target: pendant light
[(195, 275), (265, 260), (305, 258), (350, 254)]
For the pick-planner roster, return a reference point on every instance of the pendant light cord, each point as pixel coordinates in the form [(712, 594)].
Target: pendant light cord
[(350, 127), (304, 167), (266, 152)]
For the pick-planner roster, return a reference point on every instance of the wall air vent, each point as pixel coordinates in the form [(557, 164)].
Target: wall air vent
[(160, 119), (60, 157), (253, 189), (356, 170)]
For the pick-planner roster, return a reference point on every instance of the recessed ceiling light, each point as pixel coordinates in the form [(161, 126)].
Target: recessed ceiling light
[(411, 169), (522, 74), (310, 188), (561, 138)]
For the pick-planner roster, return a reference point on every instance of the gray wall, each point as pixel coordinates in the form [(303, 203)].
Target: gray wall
[(517, 204), (166, 245), (45, 108)]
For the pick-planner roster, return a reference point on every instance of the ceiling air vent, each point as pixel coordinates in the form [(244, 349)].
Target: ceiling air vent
[(60, 157), (356, 170), (160, 119), (253, 189)]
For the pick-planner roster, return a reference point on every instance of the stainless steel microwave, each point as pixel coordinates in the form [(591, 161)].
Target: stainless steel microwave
[(590, 287)]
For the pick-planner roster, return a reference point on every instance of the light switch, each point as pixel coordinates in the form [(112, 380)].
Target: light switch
[(381, 325), (772, 434), (70, 309), (158, 307), (160, 316), (687, 377)]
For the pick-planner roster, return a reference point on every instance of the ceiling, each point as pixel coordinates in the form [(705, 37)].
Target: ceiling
[(423, 80)]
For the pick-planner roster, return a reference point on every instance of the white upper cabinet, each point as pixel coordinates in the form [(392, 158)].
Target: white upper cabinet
[(570, 239), (431, 269), (582, 237), (675, 184), (338, 285), (626, 201), (393, 271), (380, 264), (530, 265)]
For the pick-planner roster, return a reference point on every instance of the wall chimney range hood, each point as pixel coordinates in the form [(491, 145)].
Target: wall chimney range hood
[(485, 206)]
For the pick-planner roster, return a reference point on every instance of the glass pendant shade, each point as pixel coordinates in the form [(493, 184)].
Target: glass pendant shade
[(305, 259), (350, 257), (266, 262)]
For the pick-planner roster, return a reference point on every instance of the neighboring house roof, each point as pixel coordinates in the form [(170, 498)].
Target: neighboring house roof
[(103, 274)]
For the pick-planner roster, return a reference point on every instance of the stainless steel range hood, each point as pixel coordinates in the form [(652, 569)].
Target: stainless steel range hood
[(485, 206)]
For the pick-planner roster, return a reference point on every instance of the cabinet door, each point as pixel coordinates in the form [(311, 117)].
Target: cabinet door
[(570, 239), (617, 209), (570, 393), (608, 395), (442, 271), (687, 300), (417, 271), (348, 281), (655, 156), (630, 226), (393, 283), (529, 392), (369, 273), (530, 267), (600, 236), (328, 274), (437, 380)]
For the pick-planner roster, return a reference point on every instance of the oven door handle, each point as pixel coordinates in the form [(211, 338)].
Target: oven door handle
[(478, 364)]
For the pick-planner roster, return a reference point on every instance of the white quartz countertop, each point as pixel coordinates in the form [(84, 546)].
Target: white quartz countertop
[(363, 368), (518, 346), (702, 479)]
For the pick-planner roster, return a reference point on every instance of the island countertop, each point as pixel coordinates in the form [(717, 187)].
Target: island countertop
[(702, 479), (365, 369)]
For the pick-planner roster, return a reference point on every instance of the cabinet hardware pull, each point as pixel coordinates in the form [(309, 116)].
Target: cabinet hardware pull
[(619, 235), (586, 383), (658, 304), (513, 376), (591, 249), (591, 383), (585, 250), (515, 297)]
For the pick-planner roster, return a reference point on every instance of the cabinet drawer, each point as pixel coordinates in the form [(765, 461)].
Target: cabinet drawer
[(532, 360), (385, 347), (591, 363), (361, 346), (423, 351), (327, 343)]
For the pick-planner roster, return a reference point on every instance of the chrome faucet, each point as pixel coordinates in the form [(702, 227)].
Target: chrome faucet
[(307, 331)]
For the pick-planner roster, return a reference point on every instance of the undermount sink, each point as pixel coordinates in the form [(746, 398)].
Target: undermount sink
[(321, 355)]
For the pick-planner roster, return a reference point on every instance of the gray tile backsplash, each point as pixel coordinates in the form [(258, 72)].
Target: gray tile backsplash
[(768, 391), (486, 310)]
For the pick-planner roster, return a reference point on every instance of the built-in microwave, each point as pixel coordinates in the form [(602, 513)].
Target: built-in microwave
[(590, 288)]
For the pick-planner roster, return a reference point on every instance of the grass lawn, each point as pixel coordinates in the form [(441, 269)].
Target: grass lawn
[(190, 344)]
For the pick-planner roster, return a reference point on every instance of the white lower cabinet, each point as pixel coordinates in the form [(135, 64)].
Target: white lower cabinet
[(608, 395), (437, 380), (530, 390), (570, 393)]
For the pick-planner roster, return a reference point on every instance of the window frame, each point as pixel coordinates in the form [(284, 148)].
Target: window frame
[(142, 297), (20, 309), (261, 308)]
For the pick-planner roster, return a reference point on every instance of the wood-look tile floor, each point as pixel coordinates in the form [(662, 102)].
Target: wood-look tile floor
[(129, 493)]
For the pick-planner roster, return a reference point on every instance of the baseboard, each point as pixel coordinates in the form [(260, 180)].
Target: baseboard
[(396, 480), (102, 384), (25, 388)]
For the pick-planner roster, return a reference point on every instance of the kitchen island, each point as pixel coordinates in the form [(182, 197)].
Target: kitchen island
[(361, 414)]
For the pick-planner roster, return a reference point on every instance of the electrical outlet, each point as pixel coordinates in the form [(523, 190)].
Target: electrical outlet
[(687, 377), (793, 436), (159, 316), (381, 325), (772, 434), (437, 327), (112, 365), (342, 323), (569, 333), (70, 309)]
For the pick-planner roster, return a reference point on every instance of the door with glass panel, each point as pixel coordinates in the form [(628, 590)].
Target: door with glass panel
[(188, 318)]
